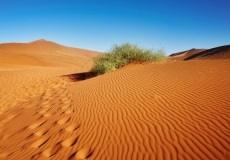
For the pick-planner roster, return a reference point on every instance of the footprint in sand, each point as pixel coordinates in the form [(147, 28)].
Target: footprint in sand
[(40, 142), (70, 141), (63, 120), (82, 154), (41, 132), (43, 111), (49, 152), (72, 127), (4, 155), (35, 125), (65, 106), (68, 111)]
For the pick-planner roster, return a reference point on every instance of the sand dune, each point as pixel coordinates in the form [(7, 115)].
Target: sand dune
[(45, 53), (222, 52), (184, 54), (175, 110)]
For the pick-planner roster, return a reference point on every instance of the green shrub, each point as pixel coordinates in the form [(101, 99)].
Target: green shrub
[(121, 55), (159, 56), (102, 65)]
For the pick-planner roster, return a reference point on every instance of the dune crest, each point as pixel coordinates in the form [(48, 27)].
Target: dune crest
[(184, 54), (45, 53), (221, 52)]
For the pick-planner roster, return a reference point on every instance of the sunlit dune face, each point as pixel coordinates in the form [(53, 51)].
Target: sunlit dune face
[(172, 110)]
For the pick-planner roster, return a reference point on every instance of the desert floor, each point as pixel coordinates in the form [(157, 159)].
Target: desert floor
[(172, 110)]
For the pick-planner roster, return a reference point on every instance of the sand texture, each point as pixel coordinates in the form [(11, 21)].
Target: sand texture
[(173, 110)]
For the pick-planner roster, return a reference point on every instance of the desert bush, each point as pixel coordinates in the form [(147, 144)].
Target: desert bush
[(121, 55), (102, 65)]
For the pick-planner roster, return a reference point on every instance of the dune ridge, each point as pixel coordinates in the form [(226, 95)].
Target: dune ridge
[(176, 110), (184, 54), (45, 53), (221, 52)]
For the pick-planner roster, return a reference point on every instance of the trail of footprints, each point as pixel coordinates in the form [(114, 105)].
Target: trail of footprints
[(62, 119), (53, 131)]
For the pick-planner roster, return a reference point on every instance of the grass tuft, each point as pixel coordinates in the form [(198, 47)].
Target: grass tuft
[(121, 55)]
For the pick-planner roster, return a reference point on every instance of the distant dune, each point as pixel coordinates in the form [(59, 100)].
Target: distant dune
[(166, 111), (222, 52), (45, 53), (184, 54)]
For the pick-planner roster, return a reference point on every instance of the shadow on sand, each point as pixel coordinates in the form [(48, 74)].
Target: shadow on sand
[(79, 76), (210, 52)]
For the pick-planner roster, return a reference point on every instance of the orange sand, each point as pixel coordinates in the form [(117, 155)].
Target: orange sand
[(222, 52), (45, 53), (174, 110), (185, 54)]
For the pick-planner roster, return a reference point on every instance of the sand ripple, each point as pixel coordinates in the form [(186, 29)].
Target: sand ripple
[(177, 110)]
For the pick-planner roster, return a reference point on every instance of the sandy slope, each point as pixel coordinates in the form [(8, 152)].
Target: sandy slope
[(221, 52), (45, 53), (185, 54), (176, 110), (33, 65)]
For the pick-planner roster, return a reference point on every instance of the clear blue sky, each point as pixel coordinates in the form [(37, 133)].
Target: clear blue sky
[(174, 25)]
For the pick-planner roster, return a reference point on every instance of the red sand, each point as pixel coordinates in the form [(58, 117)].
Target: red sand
[(222, 52), (45, 53), (173, 110), (185, 54)]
